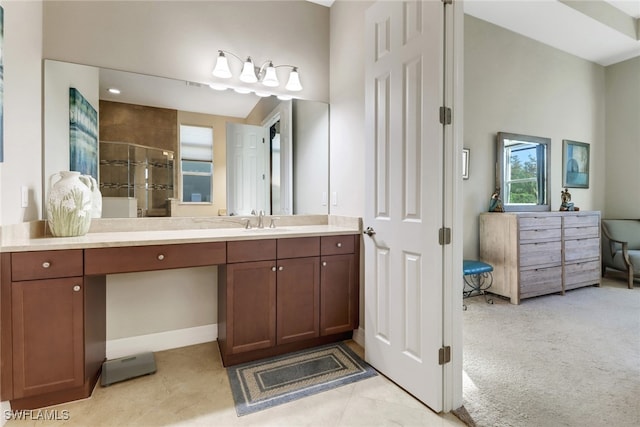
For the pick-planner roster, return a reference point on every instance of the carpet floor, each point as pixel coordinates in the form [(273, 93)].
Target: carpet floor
[(554, 360)]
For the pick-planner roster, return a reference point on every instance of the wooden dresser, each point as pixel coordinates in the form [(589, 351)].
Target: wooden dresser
[(539, 253)]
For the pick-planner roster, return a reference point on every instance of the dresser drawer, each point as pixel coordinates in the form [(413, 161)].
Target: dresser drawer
[(46, 264), (155, 257), (581, 273), (581, 249), (335, 245), (540, 234), (582, 221), (542, 253), (251, 250), (540, 281), (533, 222), (581, 232), (299, 247)]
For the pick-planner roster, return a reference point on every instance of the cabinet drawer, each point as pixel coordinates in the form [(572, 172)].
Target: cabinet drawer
[(335, 245), (581, 249), (298, 248), (540, 222), (251, 250), (581, 273), (543, 253), (540, 281), (581, 232), (155, 257), (540, 234), (46, 264), (582, 221)]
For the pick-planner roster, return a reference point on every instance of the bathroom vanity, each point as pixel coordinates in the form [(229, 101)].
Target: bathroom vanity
[(279, 290)]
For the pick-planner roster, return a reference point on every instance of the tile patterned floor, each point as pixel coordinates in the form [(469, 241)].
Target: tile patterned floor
[(191, 388)]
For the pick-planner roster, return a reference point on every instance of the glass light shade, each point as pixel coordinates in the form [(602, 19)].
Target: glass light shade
[(242, 90), (294, 81), (218, 86), (248, 74), (270, 77), (222, 67), (262, 94), (285, 97)]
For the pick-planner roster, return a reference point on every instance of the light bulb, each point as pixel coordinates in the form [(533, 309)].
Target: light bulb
[(248, 74), (262, 94), (294, 81), (285, 97), (270, 77), (218, 86), (242, 90), (222, 67)]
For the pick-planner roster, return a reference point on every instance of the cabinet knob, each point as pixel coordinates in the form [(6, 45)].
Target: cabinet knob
[(76, 288), (273, 269), (46, 264), (160, 257), (339, 244), (280, 268), (324, 263)]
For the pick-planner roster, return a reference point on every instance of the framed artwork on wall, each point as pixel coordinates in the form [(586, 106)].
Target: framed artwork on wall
[(83, 135), (465, 163), (575, 164)]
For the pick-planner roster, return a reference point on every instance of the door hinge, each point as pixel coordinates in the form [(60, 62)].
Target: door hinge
[(444, 355), (445, 115), (444, 236), (447, 1)]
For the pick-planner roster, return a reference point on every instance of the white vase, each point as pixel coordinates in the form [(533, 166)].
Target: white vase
[(69, 204), (96, 198)]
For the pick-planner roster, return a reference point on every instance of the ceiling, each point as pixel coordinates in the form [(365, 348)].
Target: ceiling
[(595, 30)]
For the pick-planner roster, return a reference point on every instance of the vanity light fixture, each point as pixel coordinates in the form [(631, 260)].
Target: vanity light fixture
[(265, 73)]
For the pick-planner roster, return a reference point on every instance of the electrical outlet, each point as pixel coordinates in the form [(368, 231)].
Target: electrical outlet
[(24, 192)]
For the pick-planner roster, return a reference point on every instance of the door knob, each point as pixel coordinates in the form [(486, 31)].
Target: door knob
[(369, 231), (76, 288)]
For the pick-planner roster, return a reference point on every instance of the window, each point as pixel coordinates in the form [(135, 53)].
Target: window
[(196, 162)]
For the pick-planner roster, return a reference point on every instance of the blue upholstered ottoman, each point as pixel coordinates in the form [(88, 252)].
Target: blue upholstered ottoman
[(478, 277)]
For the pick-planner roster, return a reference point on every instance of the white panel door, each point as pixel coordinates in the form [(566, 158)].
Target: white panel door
[(247, 169), (404, 196)]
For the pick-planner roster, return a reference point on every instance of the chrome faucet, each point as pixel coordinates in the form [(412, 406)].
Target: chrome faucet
[(261, 219)]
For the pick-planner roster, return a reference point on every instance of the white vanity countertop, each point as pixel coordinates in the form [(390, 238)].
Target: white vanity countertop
[(182, 232)]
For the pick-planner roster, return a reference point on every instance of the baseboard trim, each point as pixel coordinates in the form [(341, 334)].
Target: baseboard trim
[(161, 341), (358, 336)]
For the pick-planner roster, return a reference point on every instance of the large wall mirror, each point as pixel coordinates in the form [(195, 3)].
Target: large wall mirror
[(522, 171), (268, 154)]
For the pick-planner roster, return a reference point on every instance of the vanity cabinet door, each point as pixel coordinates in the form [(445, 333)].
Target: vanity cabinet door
[(338, 294), (48, 335), (298, 299), (250, 306)]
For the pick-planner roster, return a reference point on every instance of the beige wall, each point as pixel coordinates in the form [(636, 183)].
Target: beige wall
[(623, 140), (22, 166), (180, 39), (515, 84), (346, 153)]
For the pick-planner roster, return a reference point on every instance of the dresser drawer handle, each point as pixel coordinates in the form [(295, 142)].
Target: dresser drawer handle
[(339, 244), (273, 269), (46, 264), (280, 268), (324, 263), (160, 257), (76, 288)]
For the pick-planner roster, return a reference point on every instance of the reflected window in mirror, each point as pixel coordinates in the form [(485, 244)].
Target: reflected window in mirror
[(196, 163), (522, 172)]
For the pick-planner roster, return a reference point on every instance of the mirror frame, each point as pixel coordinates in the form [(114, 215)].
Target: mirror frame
[(500, 163)]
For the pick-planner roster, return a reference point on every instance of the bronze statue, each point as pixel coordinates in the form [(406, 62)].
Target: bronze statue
[(495, 204)]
